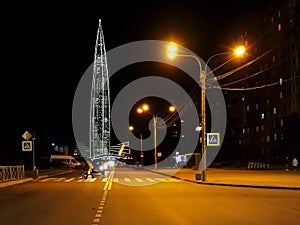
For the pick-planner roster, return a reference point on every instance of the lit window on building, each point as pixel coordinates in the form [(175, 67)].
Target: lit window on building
[(262, 116), (248, 130), (262, 127), (275, 137), (268, 138), (281, 95), (257, 128), (281, 122), (256, 106), (274, 110), (244, 130), (279, 27), (243, 99), (248, 108)]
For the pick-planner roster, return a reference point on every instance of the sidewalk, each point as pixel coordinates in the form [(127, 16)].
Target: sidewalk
[(29, 176), (275, 179)]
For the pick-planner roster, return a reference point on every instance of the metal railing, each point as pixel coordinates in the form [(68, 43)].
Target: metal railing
[(258, 165), (8, 173)]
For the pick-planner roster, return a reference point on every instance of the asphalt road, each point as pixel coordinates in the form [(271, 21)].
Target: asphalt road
[(130, 196), (59, 200)]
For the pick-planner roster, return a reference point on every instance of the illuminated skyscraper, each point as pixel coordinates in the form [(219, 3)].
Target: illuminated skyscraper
[(100, 101)]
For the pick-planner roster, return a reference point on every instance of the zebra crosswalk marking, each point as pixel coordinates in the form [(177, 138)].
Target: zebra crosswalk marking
[(68, 180), (174, 180), (47, 179), (105, 179), (139, 180), (150, 179)]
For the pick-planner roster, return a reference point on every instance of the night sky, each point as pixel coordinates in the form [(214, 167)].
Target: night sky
[(46, 48)]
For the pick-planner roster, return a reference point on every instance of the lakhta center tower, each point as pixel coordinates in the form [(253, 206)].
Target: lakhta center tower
[(100, 101)]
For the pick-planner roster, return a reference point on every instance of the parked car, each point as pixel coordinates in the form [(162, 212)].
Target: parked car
[(67, 160)]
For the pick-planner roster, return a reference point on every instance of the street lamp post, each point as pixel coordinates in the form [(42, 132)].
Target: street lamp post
[(141, 154), (172, 48), (131, 128), (145, 108)]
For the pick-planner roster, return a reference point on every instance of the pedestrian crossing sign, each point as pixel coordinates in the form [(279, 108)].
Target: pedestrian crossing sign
[(213, 139), (26, 145)]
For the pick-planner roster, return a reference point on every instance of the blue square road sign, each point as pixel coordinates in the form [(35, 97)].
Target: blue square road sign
[(213, 139), (26, 145)]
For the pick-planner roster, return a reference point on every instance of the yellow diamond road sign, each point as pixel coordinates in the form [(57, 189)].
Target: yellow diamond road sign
[(26, 136)]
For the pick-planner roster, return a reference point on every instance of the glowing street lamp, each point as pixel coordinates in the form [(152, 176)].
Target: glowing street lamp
[(145, 109), (240, 50), (172, 53)]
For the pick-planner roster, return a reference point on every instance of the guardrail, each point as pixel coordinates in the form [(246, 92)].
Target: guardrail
[(258, 165), (8, 173)]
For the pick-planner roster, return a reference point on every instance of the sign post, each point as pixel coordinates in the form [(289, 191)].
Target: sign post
[(29, 146)]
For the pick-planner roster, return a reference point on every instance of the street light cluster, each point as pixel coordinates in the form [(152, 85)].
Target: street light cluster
[(172, 53), (146, 109)]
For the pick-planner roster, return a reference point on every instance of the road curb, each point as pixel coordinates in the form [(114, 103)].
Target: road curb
[(237, 185)]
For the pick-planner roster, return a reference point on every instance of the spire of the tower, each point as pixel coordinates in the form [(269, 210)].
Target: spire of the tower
[(100, 100)]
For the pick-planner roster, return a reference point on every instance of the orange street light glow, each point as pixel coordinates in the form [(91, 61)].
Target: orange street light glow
[(240, 50), (172, 48), (172, 108), (145, 107)]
